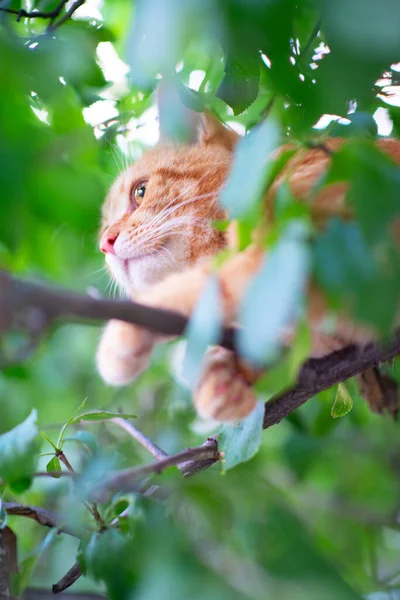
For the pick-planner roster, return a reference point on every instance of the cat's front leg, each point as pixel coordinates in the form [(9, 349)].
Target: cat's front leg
[(123, 353), (124, 350), (224, 391)]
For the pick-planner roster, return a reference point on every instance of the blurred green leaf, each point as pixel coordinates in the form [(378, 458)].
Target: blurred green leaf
[(274, 297), (100, 415), (19, 453), (246, 182), (346, 268), (239, 442), (203, 330), (107, 560)]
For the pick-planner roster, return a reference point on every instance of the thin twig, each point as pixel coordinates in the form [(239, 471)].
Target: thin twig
[(312, 37), (123, 480), (140, 437), (69, 579), (265, 112), (54, 24), (91, 506), (60, 454), (35, 14), (40, 515)]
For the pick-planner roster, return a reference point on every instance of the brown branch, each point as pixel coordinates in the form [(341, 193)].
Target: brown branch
[(53, 25), (320, 374), (69, 579), (315, 376), (61, 456), (8, 562), (36, 14), (202, 456), (51, 14), (40, 515), (20, 297), (140, 437)]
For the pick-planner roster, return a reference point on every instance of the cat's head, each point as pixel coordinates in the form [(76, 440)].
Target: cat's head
[(157, 217)]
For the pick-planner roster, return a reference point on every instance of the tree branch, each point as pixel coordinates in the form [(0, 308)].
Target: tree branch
[(40, 515), (8, 562), (54, 24), (35, 14), (69, 578), (315, 376), (46, 305), (51, 14), (140, 437), (203, 456), (320, 374)]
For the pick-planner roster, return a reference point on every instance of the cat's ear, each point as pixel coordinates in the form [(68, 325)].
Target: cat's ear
[(214, 133), (180, 123)]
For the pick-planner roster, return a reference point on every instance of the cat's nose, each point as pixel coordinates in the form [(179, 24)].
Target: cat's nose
[(107, 243)]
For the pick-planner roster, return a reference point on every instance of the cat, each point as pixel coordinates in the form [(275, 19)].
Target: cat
[(159, 242)]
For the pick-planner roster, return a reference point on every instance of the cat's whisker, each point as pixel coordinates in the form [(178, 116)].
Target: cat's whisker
[(117, 158), (109, 286), (150, 235), (166, 211)]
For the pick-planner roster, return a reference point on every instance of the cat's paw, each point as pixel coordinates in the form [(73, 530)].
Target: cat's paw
[(124, 352), (223, 392)]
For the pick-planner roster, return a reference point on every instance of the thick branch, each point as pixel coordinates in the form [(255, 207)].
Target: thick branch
[(320, 374), (40, 515), (316, 374), (46, 305), (8, 562)]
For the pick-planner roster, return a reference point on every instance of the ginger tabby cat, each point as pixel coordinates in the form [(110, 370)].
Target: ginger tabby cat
[(158, 240)]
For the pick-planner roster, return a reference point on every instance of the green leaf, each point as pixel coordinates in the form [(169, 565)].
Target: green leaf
[(44, 436), (54, 466), (106, 557), (64, 427), (203, 330), (18, 454), (343, 402), (240, 441), (100, 415), (349, 271), (275, 297), (192, 99), (250, 171), (239, 86)]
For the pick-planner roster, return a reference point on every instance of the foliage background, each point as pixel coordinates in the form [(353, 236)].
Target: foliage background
[(314, 514)]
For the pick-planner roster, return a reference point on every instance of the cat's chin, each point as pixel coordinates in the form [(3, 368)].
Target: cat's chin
[(137, 274)]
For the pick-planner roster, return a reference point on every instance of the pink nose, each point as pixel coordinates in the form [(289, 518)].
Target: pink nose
[(107, 243)]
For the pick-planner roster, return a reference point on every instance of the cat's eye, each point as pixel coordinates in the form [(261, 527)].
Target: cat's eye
[(137, 193)]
